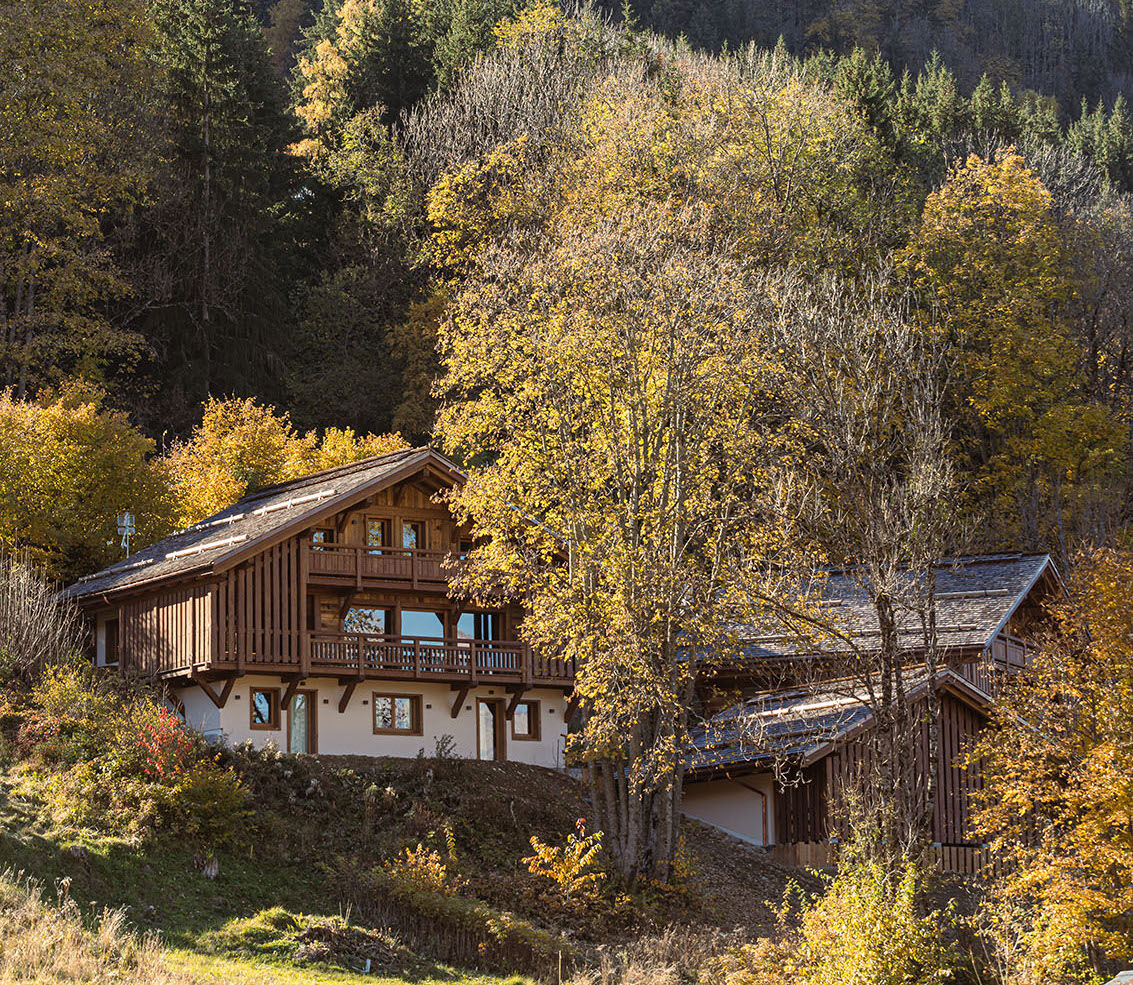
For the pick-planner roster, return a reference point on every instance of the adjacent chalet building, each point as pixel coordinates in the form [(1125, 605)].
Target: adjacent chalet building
[(317, 615), (811, 731)]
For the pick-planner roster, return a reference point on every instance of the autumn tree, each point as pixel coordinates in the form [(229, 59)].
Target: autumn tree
[(1057, 803), (866, 486), (210, 246), (73, 148), (991, 257), (241, 445), (71, 465)]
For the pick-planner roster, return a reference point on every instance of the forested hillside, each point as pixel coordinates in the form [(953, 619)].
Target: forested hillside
[(215, 198)]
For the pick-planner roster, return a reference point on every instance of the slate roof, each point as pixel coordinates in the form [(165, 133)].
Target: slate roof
[(975, 596), (796, 724), (257, 517)]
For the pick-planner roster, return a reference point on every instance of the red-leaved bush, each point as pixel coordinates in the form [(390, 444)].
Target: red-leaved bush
[(166, 746)]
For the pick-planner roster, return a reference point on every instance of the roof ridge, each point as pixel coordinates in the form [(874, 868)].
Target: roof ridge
[(334, 470)]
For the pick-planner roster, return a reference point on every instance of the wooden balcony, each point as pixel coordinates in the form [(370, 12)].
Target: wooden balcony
[(346, 563), (401, 658)]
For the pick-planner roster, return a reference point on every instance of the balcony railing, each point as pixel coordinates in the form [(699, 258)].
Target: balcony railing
[(401, 564), (416, 658)]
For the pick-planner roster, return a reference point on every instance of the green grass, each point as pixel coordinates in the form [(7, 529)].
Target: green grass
[(241, 927)]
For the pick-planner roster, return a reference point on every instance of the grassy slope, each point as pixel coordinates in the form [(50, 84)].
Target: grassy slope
[(311, 813), (204, 923)]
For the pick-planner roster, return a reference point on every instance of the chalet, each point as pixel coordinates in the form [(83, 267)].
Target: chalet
[(317, 615), (770, 769)]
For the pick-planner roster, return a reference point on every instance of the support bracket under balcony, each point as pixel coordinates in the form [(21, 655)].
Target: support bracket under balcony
[(220, 700), (289, 693), (461, 696), (517, 692), (347, 694)]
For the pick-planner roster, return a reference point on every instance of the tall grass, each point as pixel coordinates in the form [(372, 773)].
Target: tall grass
[(37, 626), (49, 944)]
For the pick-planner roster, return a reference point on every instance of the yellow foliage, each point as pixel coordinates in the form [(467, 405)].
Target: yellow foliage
[(241, 445), (532, 26), (70, 466), (990, 254), (1058, 797), (423, 869), (866, 927), (574, 867)]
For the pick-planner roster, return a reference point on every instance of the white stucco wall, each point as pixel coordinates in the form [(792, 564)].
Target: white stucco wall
[(351, 732), (734, 807)]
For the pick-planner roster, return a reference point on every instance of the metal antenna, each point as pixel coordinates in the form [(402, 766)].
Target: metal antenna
[(126, 528)]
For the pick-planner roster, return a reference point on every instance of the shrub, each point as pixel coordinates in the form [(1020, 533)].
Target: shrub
[(37, 627), (865, 928), (112, 756), (423, 869), (573, 867)]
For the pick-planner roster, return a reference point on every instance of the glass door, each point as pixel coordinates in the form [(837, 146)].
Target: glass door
[(301, 731), (489, 731)]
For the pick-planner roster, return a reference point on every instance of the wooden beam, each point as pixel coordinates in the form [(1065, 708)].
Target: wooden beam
[(292, 687), (571, 708), (347, 599), (220, 700), (461, 696), (517, 691), (347, 694)]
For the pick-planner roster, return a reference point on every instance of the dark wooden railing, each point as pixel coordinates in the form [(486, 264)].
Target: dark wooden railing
[(401, 564), (418, 658)]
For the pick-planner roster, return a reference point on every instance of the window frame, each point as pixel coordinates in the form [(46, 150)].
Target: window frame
[(534, 718), (276, 710), (328, 538), (108, 638), (387, 533), (389, 619), (417, 725), (422, 530)]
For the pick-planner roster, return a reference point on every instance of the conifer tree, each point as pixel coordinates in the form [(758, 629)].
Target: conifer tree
[(209, 248)]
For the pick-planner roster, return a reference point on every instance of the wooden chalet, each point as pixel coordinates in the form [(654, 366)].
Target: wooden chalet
[(317, 614), (811, 731)]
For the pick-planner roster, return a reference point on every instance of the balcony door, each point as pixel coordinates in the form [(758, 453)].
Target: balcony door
[(491, 742), (302, 724)]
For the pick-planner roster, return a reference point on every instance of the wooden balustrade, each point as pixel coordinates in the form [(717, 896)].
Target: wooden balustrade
[(410, 566), (418, 658)]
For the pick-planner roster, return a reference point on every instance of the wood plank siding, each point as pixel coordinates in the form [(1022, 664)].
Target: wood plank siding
[(169, 631), (809, 812), (260, 612)]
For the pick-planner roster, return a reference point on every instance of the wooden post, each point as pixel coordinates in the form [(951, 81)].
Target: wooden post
[(416, 659), (358, 567)]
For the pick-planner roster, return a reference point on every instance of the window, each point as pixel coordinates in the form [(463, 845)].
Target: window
[(264, 708), (110, 653), (367, 619), (423, 624), (378, 533), (397, 714), (413, 534), (322, 535), (525, 720), (478, 626)]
